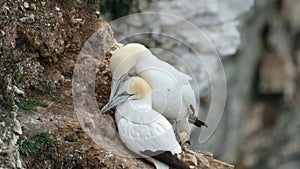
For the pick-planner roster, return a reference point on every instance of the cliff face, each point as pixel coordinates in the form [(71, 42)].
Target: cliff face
[(39, 47), (268, 93)]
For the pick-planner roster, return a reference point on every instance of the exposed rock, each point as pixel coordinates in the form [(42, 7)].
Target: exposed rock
[(56, 78), (2, 32), (67, 66), (191, 36), (261, 106), (217, 19), (273, 73), (290, 14), (32, 7), (10, 131), (28, 19), (9, 126)]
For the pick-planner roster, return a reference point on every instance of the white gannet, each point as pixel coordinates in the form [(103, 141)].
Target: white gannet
[(173, 96), (142, 129)]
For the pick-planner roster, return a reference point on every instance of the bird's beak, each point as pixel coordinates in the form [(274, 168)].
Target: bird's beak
[(116, 86), (116, 100)]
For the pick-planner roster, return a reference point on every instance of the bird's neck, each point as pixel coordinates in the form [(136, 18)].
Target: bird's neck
[(146, 100)]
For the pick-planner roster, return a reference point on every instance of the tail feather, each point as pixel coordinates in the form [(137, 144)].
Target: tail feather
[(167, 158)]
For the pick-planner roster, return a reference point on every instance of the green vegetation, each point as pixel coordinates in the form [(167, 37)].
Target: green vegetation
[(69, 102), (115, 9), (38, 142), (70, 161), (9, 66), (29, 104), (54, 97), (10, 75)]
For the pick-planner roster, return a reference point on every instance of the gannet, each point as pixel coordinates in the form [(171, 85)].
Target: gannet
[(142, 129), (173, 96)]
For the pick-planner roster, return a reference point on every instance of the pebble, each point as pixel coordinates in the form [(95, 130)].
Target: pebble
[(75, 20), (2, 32), (43, 3), (32, 7), (97, 13), (26, 5), (57, 8), (6, 7), (17, 128), (22, 8), (60, 14)]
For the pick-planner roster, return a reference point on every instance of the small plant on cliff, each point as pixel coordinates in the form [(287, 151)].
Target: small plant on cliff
[(10, 75), (29, 104), (38, 142)]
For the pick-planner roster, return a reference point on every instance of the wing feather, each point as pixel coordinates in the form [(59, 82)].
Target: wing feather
[(157, 135)]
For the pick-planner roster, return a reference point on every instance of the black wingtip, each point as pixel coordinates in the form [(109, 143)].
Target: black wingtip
[(197, 122), (168, 158)]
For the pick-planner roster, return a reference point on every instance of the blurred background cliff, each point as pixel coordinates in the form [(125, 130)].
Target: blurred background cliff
[(258, 43)]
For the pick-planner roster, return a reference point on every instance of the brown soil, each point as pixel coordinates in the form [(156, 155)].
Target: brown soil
[(72, 147), (46, 38)]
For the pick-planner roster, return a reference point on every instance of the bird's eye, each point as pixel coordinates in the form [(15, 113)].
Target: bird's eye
[(134, 98), (132, 72)]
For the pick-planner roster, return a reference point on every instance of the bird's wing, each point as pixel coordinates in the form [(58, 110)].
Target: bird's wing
[(181, 77), (189, 100), (154, 141), (153, 61), (153, 136)]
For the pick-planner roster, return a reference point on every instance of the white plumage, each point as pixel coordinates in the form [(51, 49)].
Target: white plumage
[(173, 96), (141, 128)]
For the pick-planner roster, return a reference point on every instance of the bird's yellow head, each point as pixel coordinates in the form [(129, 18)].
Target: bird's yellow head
[(134, 88), (125, 58), (139, 87)]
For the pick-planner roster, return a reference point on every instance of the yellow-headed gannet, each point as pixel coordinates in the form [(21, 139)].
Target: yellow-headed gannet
[(142, 129)]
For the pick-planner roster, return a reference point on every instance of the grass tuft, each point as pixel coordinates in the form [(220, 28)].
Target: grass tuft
[(29, 104), (38, 142)]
